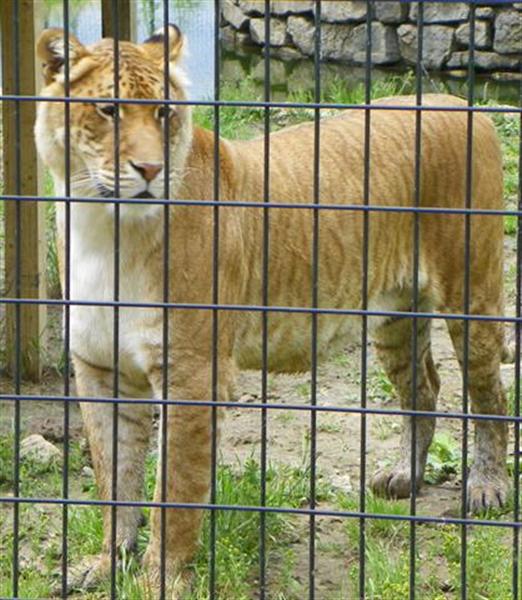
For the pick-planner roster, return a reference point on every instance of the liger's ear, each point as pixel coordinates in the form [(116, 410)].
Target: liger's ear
[(50, 48), (155, 45)]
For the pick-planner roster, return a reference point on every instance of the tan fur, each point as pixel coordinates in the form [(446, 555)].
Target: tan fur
[(340, 267)]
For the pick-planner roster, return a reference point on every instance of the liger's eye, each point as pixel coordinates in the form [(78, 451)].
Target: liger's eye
[(166, 112), (107, 110)]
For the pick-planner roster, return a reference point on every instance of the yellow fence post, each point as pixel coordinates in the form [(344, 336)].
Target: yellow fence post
[(125, 18), (27, 221)]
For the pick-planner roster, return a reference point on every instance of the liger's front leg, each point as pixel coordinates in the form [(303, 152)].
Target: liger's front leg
[(188, 465)]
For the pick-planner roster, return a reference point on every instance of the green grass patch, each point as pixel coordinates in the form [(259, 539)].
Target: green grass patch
[(438, 556), (237, 532)]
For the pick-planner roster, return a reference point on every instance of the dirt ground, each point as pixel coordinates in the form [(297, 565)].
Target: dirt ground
[(338, 435)]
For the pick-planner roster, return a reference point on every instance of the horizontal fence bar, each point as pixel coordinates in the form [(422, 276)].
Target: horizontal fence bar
[(320, 512), (356, 410), (353, 312), (435, 210), (261, 104)]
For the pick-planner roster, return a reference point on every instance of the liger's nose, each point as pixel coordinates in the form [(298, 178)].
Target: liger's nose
[(147, 170)]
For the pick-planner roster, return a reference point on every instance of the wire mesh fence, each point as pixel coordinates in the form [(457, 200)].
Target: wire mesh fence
[(183, 256)]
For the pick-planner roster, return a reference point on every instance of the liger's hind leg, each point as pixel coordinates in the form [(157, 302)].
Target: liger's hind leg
[(393, 344), (487, 481)]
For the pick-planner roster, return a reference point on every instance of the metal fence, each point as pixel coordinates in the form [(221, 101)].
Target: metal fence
[(264, 406)]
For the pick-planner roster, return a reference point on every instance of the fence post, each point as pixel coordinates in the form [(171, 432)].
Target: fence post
[(29, 222), (125, 18)]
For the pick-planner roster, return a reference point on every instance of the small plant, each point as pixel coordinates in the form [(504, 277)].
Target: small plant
[(444, 458), (380, 386)]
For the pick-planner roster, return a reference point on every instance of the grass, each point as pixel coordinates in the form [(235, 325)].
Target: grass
[(438, 557), (237, 532)]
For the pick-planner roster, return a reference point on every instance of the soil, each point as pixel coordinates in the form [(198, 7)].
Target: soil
[(338, 454)]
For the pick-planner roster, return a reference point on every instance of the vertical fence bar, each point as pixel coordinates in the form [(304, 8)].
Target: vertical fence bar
[(264, 301), (215, 299), (467, 298), (415, 296), (116, 297), (315, 296), (517, 383), (166, 283), (66, 295), (364, 298)]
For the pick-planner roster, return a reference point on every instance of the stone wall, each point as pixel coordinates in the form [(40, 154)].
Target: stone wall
[(446, 32)]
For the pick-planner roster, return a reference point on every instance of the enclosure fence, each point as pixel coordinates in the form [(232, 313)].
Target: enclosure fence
[(16, 303)]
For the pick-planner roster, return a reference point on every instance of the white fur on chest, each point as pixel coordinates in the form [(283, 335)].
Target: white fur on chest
[(92, 280)]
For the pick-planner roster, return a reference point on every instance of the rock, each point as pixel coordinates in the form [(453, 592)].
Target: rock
[(439, 12), (228, 35), (38, 450), (277, 72), (278, 35), (506, 76), (487, 61), (391, 12), (286, 53), (483, 35), (280, 7), (508, 33), (88, 473), (234, 15), (336, 42), (343, 11), (243, 39), (385, 47), (438, 42), (457, 73), (341, 482), (484, 12), (301, 31), (232, 70), (252, 7)]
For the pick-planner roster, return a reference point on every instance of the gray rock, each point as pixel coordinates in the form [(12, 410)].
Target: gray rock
[(228, 35), (301, 31), (277, 72), (487, 61), (439, 12), (508, 32), (437, 46), (484, 12), (483, 36), (234, 15), (281, 7), (300, 76), (38, 450), (337, 42), (88, 473), (343, 11), (391, 12), (286, 53), (243, 39), (385, 47), (506, 76), (232, 70), (252, 7), (278, 35)]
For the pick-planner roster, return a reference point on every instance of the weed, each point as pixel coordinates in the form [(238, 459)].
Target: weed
[(444, 458), (380, 386)]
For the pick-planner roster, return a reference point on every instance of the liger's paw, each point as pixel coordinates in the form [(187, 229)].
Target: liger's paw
[(89, 573), (486, 491), (392, 482)]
